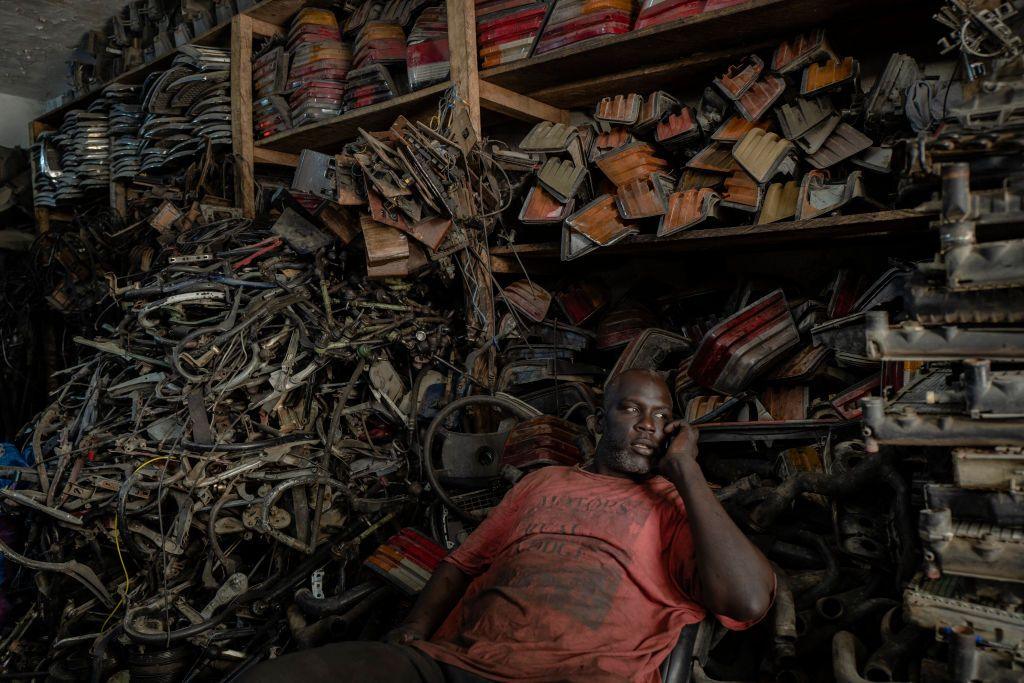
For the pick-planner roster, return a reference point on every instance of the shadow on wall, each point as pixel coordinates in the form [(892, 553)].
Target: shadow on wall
[(15, 115)]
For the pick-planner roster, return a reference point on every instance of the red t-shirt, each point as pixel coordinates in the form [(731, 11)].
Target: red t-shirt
[(578, 577)]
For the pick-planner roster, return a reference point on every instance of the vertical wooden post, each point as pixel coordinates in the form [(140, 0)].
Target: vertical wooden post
[(462, 48), (241, 113), (42, 214), (479, 292)]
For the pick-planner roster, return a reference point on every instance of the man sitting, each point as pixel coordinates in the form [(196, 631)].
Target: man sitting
[(577, 575)]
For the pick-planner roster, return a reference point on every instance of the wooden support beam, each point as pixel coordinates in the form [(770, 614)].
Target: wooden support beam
[(504, 101), (241, 113), (262, 155), (463, 57), (42, 214)]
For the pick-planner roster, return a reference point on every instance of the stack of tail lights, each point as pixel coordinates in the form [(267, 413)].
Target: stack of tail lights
[(572, 21), (407, 560), (379, 42), (370, 85), (319, 65), (379, 45), (271, 113), (507, 29), (655, 12), (427, 55)]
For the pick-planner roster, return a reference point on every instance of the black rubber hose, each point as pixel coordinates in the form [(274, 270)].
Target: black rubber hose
[(884, 662), (98, 650), (820, 633), (168, 637), (321, 607), (784, 621), (833, 485), (904, 526), (831, 578), (833, 607)]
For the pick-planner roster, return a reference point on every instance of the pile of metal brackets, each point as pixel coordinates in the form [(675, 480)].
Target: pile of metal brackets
[(417, 194), (968, 405)]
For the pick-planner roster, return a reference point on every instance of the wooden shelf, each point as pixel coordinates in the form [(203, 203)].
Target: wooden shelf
[(579, 74), (271, 11), (331, 134), (896, 223)]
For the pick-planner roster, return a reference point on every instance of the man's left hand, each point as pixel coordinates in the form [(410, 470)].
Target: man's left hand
[(682, 449)]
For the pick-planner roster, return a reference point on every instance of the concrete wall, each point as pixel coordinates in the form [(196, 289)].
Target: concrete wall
[(15, 113)]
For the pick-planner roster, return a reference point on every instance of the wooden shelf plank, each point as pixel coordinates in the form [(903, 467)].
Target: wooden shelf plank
[(275, 12), (269, 156), (896, 223), (268, 11), (332, 133), (739, 27)]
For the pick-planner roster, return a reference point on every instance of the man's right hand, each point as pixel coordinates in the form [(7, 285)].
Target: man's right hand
[(404, 634), (436, 600)]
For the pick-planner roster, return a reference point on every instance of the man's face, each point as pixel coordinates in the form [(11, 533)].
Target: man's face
[(637, 411)]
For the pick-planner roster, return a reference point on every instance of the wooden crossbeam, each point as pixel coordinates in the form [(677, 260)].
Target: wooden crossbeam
[(502, 100)]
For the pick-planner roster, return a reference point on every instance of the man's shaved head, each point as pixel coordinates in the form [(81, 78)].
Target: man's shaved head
[(627, 377)]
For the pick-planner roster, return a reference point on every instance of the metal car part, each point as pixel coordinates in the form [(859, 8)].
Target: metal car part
[(1000, 468), (973, 549), (974, 265), (960, 601), (912, 341), (908, 427)]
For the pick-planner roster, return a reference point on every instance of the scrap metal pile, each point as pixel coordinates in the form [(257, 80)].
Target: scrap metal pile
[(230, 469), (416, 194), (246, 423)]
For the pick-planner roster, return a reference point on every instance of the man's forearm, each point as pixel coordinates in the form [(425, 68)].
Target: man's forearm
[(736, 579), (436, 600)]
